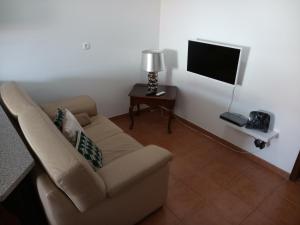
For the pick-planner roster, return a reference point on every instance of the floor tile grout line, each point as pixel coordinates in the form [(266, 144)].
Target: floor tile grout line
[(264, 198), (196, 193), (174, 214), (260, 203), (186, 185), (199, 195), (252, 212), (226, 188)]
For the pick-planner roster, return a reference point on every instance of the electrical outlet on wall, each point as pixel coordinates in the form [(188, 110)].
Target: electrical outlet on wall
[(86, 45)]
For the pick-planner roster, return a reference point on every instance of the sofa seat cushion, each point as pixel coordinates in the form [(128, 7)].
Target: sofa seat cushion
[(83, 119), (117, 146), (125, 171), (101, 128)]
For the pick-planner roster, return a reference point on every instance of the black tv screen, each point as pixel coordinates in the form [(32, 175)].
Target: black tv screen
[(212, 60)]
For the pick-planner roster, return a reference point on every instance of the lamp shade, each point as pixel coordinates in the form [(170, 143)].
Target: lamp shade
[(153, 61)]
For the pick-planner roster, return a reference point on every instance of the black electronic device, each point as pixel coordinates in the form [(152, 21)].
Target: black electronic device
[(234, 118), (259, 144), (259, 120), (214, 60)]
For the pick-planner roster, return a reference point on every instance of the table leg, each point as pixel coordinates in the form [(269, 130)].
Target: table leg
[(138, 110), (170, 120), (131, 117)]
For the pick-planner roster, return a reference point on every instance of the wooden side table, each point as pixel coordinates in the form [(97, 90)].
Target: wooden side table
[(166, 102)]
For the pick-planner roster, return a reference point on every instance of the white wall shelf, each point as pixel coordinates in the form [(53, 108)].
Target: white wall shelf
[(266, 137)]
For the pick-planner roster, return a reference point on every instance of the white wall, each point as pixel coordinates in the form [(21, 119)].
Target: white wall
[(40, 46), (271, 81)]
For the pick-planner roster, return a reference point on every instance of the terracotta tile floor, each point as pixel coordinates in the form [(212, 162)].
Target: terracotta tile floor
[(211, 184)]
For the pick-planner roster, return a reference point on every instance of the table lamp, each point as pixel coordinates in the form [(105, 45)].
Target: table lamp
[(153, 62)]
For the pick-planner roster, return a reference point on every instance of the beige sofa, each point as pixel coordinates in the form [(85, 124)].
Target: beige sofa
[(131, 184)]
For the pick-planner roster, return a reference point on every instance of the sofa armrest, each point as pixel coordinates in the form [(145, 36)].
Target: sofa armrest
[(79, 104), (128, 169), (55, 203)]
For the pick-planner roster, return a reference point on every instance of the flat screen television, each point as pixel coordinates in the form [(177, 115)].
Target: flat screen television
[(213, 60)]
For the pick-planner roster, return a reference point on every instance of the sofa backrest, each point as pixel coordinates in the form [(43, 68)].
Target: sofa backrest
[(65, 166), (15, 98)]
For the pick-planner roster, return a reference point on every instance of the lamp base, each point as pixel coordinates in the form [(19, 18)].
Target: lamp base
[(152, 83)]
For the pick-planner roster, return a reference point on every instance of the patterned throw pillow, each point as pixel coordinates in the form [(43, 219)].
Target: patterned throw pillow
[(59, 118), (70, 127), (66, 122), (86, 147)]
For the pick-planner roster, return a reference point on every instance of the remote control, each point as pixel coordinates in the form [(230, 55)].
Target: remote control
[(160, 93)]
